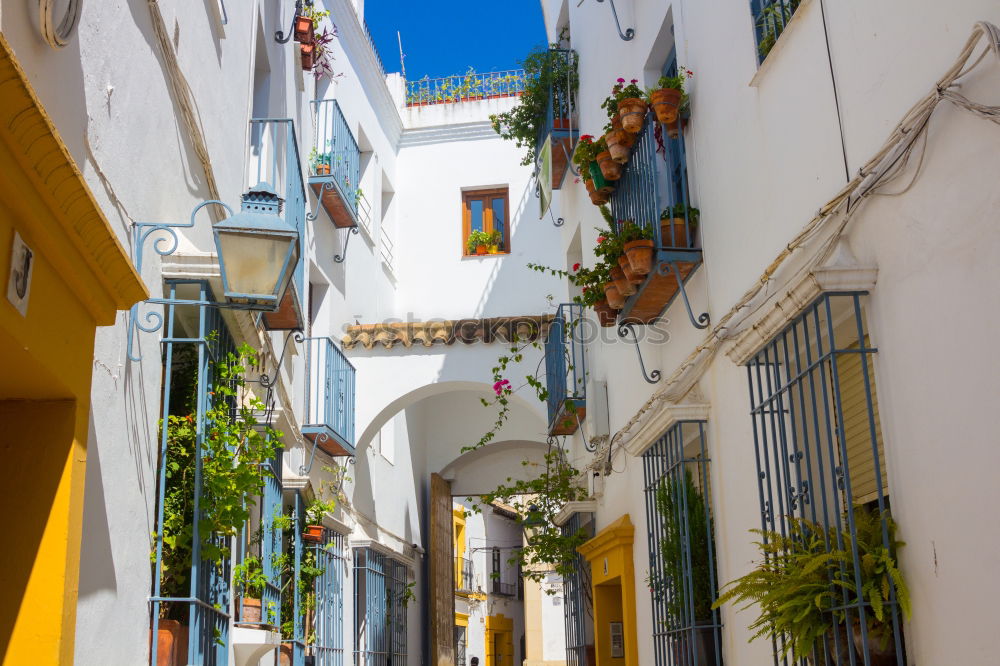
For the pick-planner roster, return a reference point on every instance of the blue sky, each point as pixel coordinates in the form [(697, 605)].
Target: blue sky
[(444, 37)]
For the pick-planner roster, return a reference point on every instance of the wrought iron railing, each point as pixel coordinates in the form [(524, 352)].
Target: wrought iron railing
[(335, 155), (329, 393), (387, 248), (260, 539), (770, 17), (465, 575), (273, 158), (371, 43), (328, 648), (578, 607), (821, 468), (470, 86), (380, 585), (565, 363), (560, 112), (682, 575)]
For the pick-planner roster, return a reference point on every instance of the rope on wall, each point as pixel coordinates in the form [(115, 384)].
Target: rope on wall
[(58, 37), (185, 101), (888, 164)]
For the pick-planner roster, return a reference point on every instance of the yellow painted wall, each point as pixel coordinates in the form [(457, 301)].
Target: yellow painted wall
[(499, 628), (80, 278), (458, 536), (613, 587)]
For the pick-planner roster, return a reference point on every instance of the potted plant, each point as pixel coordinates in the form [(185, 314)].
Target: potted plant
[(480, 241), (674, 223), (628, 103), (308, 54), (668, 97), (313, 532), (637, 242), (619, 143), (249, 579), (320, 162), (610, 170), (685, 549), (772, 22), (304, 28)]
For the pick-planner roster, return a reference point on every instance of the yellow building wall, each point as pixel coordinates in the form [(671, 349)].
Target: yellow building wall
[(613, 589), (499, 628), (80, 278)]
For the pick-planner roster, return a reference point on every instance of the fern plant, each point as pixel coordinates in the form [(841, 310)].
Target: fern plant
[(805, 581)]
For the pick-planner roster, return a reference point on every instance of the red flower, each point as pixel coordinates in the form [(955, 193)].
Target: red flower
[(585, 289), (576, 267), (587, 137), (621, 80), (690, 73), (635, 81), (601, 239)]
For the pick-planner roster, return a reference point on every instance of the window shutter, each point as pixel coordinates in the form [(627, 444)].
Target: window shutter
[(856, 427)]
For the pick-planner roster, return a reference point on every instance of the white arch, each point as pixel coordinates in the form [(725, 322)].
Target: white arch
[(482, 470)]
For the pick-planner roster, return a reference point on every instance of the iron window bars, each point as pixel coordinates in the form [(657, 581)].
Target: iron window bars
[(566, 369), (769, 19), (578, 608), (561, 123), (329, 587), (501, 574), (465, 575), (817, 441), (682, 575), (259, 538), (380, 584), (196, 337)]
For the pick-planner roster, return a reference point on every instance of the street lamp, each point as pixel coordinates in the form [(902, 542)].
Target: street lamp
[(258, 251), (532, 523)]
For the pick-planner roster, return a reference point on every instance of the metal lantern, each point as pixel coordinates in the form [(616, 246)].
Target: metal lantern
[(532, 523), (258, 250)]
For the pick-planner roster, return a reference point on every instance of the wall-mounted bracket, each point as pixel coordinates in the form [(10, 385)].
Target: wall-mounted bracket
[(703, 319), (322, 437), (339, 258), (623, 331), (282, 37), (629, 34)]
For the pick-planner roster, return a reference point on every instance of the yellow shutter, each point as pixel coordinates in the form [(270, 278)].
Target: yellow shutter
[(857, 428)]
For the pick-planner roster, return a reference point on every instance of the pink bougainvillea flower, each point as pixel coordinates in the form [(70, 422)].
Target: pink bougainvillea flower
[(576, 180), (621, 80), (500, 386), (576, 267)]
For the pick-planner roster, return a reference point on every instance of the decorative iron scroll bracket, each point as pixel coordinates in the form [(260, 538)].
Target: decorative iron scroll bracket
[(281, 37), (629, 34), (703, 319), (629, 327), (322, 437), (339, 258), (556, 221)]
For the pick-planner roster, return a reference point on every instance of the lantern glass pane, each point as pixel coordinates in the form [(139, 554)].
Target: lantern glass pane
[(255, 265)]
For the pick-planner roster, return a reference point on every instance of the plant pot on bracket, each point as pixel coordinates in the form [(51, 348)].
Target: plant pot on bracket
[(619, 145), (633, 113), (640, 255), (624, 286), (606, 315), (251, 613), (600, 183), (610, 169), (630, 275), (313, 533), (305, 30), (308, 55), (613, 296), (666, 102), (672, 232)]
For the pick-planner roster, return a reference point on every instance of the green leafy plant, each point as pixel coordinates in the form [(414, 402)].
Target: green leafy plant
[(630, 231), (772, 22), (805, 581), (585, 153), (545, 70), (408, 594), (477, 238), (679, 211), (686, 544), (619, 92)]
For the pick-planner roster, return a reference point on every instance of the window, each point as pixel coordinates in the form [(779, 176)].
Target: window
[(486, 211), (820, 455), (578, 612), (328, 647), (460, 644), (770, 18), (682, 576), (380, 585)]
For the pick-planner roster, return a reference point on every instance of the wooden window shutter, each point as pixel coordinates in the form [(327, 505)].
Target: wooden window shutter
[(856, 427)]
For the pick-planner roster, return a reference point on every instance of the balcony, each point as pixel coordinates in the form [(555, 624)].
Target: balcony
[(335, 165), (565, 370), (273, 158), (502, 589), (560, 126), (654, 186), (329, 401), (465, 576), (468, 87)]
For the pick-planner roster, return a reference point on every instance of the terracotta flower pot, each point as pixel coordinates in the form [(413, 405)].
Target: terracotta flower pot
[(322, 169), (601, 184), (308, 54), (616, 121), (613, 295), (625, 287), (616, 145), (251, 611), (599, 199), (313, 533), (481, 249), (640, 255), (674, 128), (666, 102), (610, 169), (560, 123), (304, 29), (171, 643), (630, 275), (880, 653), (606, 315), (633, 113), (678, 239), (285, 655)]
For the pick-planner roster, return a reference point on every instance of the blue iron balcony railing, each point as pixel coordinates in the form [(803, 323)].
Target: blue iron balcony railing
[(259, 551), (652, 193), (565, 370), (329, 400), (467, 87), (560, 124), (770, 17), (371, 43), (273, 158), (335, 164)]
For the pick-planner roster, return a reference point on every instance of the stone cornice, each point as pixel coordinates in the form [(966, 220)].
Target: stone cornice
[(385, 550), (571, 508), (64, 220), (841, 274), (448, 331), (663, 417), (476, 131)]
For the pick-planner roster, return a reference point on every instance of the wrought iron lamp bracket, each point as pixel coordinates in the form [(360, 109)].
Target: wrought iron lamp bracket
[(629, 34), (623, 330), (339, 258), (163, 245), (702, 320)]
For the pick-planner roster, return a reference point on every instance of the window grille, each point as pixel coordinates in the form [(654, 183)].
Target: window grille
[(682, 576), (579, 607), (329, 587), (566, 370), (195, 337), (770, 17), (261, 539), (460, 646), (380, 585), (820, 459)]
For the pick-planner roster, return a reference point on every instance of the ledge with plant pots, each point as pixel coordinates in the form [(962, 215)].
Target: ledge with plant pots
[(339, 199), (481, 243)]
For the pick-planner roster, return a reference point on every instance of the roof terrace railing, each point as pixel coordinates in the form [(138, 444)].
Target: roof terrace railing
[(468, 87)]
